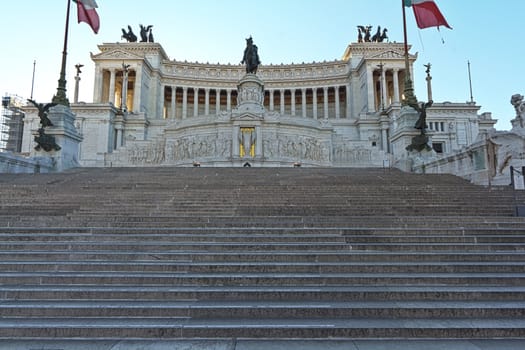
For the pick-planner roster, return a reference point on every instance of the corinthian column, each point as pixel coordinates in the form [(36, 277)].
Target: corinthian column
[(217, 101), (293, 101), (325, 102), (195, 102), (314, 92), (207, 101), (229, 100), (396, 85), (337, 104), (111, 97), (184, 102), (173, 102), (303, 101), (282, 101)]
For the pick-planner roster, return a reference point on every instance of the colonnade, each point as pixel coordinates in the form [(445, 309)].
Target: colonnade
[(181, 102), (384, 87), (108, 87)]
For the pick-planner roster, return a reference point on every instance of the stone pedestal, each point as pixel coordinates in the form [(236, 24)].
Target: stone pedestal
[(402, 138), (250, 95), (247, 119), (66, 137)]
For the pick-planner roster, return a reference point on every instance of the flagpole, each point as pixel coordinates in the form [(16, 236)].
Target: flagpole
[(60, 96), (410, 98), (470, 83)]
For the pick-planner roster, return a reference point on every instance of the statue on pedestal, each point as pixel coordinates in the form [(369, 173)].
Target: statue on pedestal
[(421, 122), (420, 142), (43, 110), (44, 141), (251, 57)]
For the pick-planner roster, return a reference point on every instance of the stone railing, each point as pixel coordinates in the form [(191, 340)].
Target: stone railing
[(470, 164), (11, 163)]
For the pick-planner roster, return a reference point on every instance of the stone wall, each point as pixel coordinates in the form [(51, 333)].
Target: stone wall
[(486, 162), (15, 164)]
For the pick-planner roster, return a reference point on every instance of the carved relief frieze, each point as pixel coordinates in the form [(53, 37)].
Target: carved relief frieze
[(293, 148), (191, 148), (390, 54), (146, 153), (351, 153)]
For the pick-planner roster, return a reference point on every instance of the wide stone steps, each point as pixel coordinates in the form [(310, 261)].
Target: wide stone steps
[(236, 254), (370, 292), (264, 257), (371, 221), (261, 309), (212, 266), (155, 328), (260, 279), (341, 236)]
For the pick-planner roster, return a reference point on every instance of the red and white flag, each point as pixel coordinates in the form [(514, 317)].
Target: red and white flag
[(87, 13), (427, 13)]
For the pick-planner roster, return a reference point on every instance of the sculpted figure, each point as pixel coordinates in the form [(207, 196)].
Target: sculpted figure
[(519, 105), (129, 35), (359, 34), (421, 122), (377, 35), (44, 141), (383, 36), (43, 110), (251, 56), (364, 33), (144, 33)]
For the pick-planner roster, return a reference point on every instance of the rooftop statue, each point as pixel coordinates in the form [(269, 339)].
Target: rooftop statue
[(129, 35), (251, 57), (518, 102), (364, 34), (146, 34)]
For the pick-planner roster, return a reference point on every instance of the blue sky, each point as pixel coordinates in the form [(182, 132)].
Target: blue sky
[(285, 31)]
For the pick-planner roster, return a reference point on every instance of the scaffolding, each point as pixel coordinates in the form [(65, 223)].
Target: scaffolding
[(11, 124)]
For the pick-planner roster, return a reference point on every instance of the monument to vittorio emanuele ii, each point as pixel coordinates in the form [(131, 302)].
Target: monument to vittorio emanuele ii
[(149, 110)]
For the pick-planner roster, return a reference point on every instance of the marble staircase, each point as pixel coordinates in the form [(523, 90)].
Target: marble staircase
[(255, 254)]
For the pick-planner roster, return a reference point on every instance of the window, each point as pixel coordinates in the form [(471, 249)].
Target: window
[(438, 147)]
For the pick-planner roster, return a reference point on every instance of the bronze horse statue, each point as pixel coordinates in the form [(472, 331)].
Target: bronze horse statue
[(251, 57), (129, 35)]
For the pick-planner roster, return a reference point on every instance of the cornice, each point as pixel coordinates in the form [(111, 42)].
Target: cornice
[(216, 74), (139, 49)]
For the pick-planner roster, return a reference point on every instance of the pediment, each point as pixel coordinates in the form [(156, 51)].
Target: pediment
[(117, 54), (247, 116), (389, 54)]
